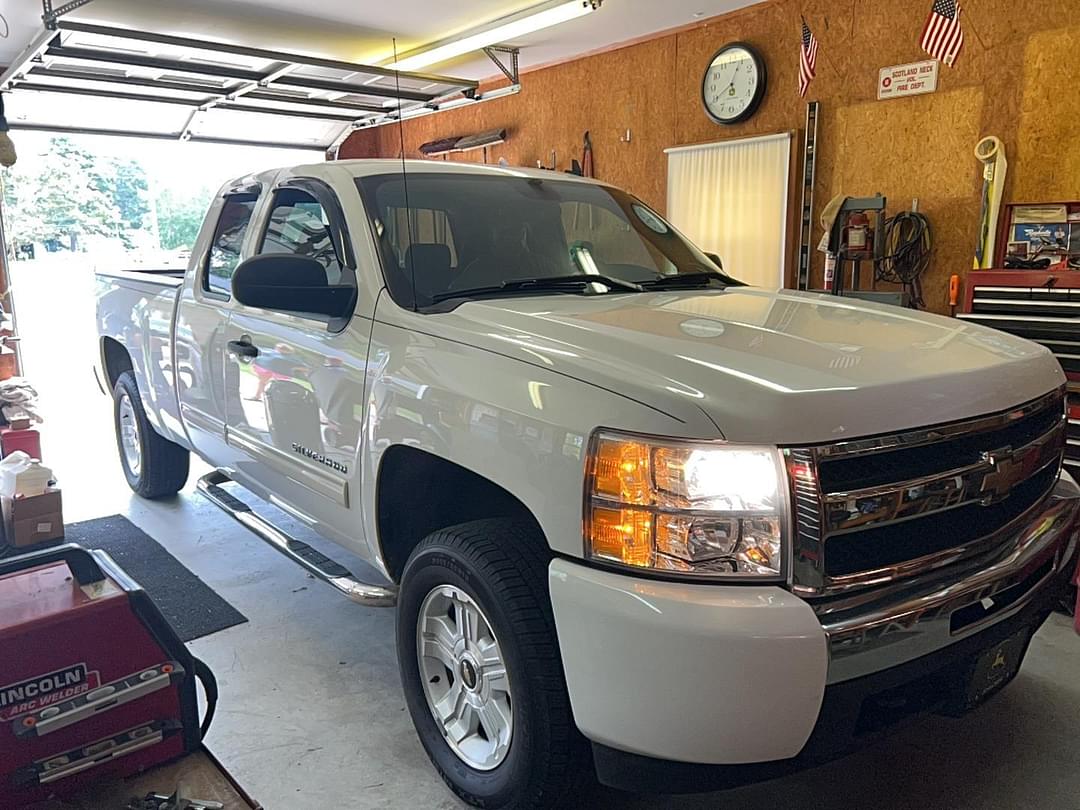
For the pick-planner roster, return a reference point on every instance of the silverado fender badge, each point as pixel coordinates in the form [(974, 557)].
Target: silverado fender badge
[(320, 458)]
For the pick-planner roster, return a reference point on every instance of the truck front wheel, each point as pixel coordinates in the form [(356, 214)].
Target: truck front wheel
[(153, 466), (481, 670)]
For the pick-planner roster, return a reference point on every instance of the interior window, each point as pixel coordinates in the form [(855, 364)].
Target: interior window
[(229, 234), (428, 227), (608, 239), (298, 224), (423, 247)]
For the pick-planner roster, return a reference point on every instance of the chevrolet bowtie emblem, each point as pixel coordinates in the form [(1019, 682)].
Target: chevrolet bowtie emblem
[(1005, 473)]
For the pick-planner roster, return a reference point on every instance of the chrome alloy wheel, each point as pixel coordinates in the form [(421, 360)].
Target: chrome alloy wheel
[(129, 435), (464, 676)]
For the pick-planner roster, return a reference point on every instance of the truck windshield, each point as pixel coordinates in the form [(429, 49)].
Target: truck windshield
[(462, 235)]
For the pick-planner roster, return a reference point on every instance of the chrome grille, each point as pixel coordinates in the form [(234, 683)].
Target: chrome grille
[(875, 510)]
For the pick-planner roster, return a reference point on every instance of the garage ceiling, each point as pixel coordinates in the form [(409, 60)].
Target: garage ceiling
[(342, 30)]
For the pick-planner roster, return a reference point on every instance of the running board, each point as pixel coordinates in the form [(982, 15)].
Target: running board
[(308, 558)]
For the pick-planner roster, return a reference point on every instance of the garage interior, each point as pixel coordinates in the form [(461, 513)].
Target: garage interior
[(866, 183)]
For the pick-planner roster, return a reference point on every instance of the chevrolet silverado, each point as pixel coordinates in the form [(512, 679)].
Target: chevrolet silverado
[(638, 519)]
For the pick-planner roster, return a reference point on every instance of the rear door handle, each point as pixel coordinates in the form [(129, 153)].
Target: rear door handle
[(243, 350)]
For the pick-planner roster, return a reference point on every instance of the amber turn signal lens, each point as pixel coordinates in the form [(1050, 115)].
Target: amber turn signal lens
[(622, 535), (621, 471)]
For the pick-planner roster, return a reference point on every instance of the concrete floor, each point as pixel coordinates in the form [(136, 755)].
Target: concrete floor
[(311, 712)]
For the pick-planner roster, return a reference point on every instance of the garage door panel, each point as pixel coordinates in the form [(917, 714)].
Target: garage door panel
[(32, 109), (84, 77), (229, 124)]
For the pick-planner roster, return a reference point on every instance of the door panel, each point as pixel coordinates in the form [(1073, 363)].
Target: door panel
[(202, 376), (296, 411), (299, 407)]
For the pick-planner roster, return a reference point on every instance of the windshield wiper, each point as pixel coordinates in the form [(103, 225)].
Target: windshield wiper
[(680, 280), (541, 284)]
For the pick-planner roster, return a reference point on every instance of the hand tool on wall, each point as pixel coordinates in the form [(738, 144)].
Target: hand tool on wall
[(587, 157), (7, 148), (990, 151), (954, 293)]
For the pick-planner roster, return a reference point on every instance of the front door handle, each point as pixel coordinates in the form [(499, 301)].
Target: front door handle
[(243, 350)]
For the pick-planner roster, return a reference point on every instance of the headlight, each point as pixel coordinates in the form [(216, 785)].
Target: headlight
[(714, 509)]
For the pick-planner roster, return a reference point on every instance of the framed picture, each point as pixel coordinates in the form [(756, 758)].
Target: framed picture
[(1018, 250)]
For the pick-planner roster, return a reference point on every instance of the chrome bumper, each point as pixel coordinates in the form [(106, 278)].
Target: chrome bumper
[(886, 627)]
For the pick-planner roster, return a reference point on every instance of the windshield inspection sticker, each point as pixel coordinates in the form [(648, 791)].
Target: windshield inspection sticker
[(40, 691), (651, 220)]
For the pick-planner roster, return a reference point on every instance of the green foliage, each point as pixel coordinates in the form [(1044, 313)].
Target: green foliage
[(67, 192), (129, 191), (180, 217)]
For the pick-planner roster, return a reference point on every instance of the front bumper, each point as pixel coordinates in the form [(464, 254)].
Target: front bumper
[(685, 675)]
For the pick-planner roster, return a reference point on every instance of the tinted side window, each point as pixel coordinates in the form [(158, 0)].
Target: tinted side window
[(224, 255), (298, 224)]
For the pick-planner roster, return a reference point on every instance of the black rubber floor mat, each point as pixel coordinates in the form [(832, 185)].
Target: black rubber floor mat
[(188, 603)]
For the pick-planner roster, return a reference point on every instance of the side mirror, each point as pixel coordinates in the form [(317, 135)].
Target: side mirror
[(716, 260), (290, 283)]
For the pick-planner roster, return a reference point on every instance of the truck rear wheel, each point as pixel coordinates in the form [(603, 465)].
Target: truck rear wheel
[(153, 466), (481, 670)]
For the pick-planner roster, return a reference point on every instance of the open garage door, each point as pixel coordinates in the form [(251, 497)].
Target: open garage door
[(80, 77)]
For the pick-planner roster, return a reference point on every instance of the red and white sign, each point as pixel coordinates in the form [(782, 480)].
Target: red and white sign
[(908, 80), (38, 692)]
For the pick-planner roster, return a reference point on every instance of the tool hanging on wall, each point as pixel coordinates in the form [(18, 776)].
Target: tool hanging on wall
[(990, 151), (587, 157), (7, 148), (954, 294), (806, 223), (905, 254)]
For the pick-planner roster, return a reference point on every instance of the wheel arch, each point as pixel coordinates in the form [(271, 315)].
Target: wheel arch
[(418, 492), (115, 360)]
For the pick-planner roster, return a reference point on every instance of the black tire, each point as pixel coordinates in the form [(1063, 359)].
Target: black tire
[(164, 465), (502, 566)]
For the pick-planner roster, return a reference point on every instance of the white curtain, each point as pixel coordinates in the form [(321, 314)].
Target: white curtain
[(731, 198)]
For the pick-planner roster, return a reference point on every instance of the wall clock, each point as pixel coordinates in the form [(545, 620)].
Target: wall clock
[(734, 83)]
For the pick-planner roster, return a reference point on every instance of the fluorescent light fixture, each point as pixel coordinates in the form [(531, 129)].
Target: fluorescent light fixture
[(505, 30)]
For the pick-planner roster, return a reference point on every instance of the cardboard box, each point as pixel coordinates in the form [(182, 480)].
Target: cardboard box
[(37, 519)]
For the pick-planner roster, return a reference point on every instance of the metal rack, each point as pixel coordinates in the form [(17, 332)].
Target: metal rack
[(195, 90)]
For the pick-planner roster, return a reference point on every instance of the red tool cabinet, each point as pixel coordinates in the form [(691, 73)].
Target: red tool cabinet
[(1043, 307)]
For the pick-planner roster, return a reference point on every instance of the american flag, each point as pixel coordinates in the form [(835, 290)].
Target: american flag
[(942, 37), (807, 59)]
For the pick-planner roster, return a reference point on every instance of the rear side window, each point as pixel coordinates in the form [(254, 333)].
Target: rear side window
[(229, 234), (298, 224)]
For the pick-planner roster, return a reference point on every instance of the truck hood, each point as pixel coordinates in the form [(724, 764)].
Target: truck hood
[(772, 366)]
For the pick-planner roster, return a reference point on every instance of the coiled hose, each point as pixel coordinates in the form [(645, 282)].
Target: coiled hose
[(906, 253)]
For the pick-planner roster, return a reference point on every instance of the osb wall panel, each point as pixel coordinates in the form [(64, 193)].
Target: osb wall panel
[(606, 94), (1015, 79), (1047, 162)]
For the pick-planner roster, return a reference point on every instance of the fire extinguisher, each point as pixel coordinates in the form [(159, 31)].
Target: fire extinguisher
[(857, 236)]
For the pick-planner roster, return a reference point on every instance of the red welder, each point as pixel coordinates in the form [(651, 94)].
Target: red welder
[(94, 683)]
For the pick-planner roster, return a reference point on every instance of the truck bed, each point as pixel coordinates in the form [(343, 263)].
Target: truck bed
[(135, 308), (165, 276)]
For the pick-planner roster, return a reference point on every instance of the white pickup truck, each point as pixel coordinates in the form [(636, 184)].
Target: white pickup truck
[(638, 519)]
